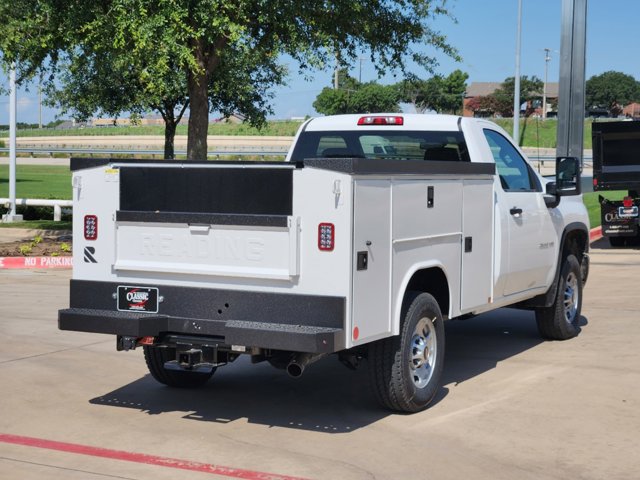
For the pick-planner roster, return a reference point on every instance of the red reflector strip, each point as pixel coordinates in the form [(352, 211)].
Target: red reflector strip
[(142, 458), (146, 340), (326, 236), (381, 120), (90, 227)]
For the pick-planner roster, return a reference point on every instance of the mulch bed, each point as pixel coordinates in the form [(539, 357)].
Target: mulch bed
[(47, 247)]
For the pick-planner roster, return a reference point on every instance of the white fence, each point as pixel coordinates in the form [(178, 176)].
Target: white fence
[(36, 202)]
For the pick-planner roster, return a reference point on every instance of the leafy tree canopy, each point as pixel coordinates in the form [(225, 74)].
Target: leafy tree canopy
[(202, 39), (352, 96), (438, 93), (612, 91)]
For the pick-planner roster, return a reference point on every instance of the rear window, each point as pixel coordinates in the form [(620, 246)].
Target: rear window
[(418, 145)]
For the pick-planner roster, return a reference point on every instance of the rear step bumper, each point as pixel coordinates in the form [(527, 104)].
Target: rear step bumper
[(276, 336), (301, 323)]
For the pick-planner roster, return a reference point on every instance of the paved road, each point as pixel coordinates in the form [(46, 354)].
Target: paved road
[(512, 407)]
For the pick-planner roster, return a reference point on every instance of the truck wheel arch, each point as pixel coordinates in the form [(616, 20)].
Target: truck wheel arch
[(574, 241), (428, 278)]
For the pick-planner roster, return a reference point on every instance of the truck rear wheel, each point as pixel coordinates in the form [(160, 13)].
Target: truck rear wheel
[(405, 370), (560, 320), (156, 358)]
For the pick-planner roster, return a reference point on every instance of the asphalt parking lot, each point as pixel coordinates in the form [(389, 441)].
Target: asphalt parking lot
[(512, 406)]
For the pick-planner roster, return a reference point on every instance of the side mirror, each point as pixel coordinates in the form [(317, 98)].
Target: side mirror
[(568, 171), (567, 181)]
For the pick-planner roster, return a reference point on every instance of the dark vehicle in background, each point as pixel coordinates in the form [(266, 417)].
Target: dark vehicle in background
[(616, 166)]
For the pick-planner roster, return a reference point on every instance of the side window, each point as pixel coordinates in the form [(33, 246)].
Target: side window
[(515, 174)]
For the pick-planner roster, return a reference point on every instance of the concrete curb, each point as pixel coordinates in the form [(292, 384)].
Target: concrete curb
[(13, 263)]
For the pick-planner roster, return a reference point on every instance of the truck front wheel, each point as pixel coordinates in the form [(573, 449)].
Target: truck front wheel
[(561, 320), (156, 357), (405, 370)]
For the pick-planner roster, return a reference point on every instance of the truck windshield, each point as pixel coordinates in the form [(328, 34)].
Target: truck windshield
[(414, 145)]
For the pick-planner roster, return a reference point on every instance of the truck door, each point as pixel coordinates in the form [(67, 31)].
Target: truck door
[(525, 222)]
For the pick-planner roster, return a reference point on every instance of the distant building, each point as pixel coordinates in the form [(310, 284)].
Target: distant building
[(632, 111), (235, 118), (110, 122), (476, 90), (147, 120), (68, 124)]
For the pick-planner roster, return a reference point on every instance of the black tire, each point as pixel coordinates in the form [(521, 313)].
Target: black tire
[(584, 269), (156, 358), (617, 241), (561, 320), (398, 385)]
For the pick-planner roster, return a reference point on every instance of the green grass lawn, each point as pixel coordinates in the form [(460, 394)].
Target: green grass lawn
[(38, 225), (540, 133), (593, 205), (38, 181)]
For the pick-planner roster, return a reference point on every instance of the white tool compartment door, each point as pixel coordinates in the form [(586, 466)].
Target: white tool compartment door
[(477, 244), (371, 260)]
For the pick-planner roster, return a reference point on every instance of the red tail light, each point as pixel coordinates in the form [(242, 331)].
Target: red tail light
[(326, 236), (627, 202), (381, 120), (90, 227)]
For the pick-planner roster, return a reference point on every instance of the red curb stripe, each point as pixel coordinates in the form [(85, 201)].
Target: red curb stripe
[(141, 458), (35, 262), (595, 234)]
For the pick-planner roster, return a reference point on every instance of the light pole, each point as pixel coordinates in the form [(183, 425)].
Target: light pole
[(362, 59), (547, 57), (516, 87), (40, 102), (11, 215)]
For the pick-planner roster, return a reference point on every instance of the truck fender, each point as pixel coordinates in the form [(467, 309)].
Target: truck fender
[(433, 269), (571, 232)]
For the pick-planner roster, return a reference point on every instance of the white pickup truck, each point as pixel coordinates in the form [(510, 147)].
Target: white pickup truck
[(375, 230)]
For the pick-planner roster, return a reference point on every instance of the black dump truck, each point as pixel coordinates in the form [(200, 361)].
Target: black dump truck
[(616, 167)]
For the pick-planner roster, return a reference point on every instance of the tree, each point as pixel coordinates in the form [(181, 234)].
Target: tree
[(454, 87), (438, 93), (206, 35), (612, 91), (352, 96), (90, 84)]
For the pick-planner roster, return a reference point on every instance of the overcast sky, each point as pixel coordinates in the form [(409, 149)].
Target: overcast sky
[(485, 36)]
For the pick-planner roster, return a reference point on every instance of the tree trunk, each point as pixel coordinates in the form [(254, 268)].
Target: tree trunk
[(199, 116), (169, 138)]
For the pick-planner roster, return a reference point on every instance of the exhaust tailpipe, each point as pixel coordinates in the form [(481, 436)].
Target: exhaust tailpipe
[(300, 362)]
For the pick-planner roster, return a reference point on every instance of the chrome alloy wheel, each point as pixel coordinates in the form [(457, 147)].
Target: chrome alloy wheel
[(423, 352), (571, 294)]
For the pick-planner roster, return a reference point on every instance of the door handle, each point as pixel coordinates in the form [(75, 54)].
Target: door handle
[(515, 211)]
